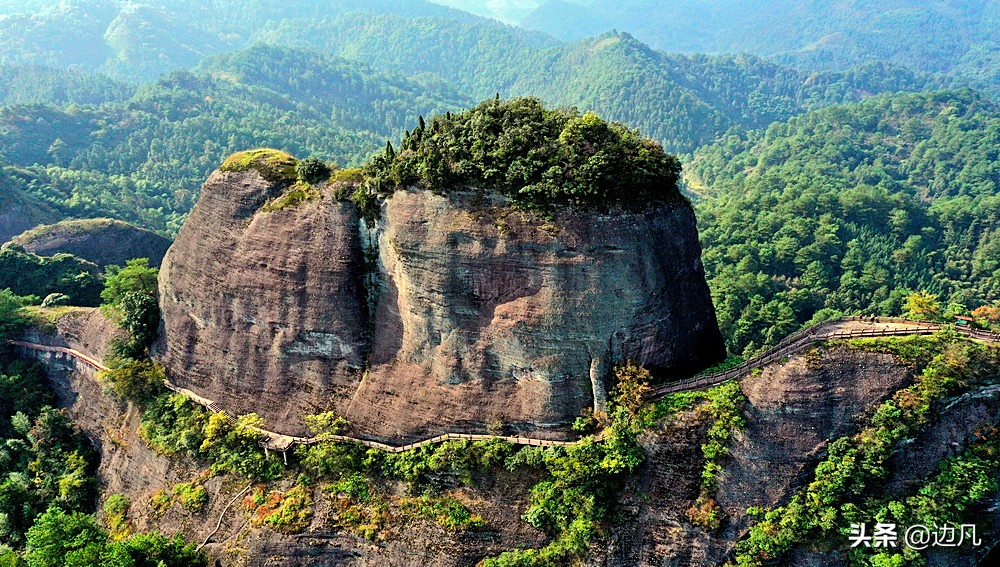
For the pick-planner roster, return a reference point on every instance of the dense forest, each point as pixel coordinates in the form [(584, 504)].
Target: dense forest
[(143, 159), (537, 157), (94, 147), (849, 209), (682, 101)]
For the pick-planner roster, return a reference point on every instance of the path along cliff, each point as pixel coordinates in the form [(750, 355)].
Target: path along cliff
[(835, 329), (447, 312)]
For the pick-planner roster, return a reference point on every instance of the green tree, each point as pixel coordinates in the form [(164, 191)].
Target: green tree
[(313, 170), (135, 380), (135, 277), (60, 538), (922, 306), (11, 316), (140, 316)]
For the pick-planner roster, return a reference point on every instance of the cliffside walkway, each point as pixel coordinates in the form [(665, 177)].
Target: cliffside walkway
[(834, 329)]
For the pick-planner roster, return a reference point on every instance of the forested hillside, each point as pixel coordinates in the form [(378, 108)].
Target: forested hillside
[(682, 101), (849, 209), (140, 41), (143, 159), (336, 80), (959, 37)]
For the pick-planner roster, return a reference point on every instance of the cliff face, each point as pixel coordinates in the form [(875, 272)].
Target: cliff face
[(265, 312), (102, 241), (794, 409), (479, 312)]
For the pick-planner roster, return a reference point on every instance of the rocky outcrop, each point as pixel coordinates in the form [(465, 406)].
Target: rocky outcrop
[(104, 242), (128, 466), (795, 408), (265, 312), (473, 312)]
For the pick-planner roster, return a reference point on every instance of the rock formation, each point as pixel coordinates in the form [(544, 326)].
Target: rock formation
[(101, 241), (479, 312)]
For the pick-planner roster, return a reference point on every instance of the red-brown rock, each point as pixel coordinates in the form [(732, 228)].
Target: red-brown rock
[(480, 312)]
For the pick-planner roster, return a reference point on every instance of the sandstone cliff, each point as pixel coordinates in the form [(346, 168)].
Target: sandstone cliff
[(794, 409), (477, 313), (102, 241)]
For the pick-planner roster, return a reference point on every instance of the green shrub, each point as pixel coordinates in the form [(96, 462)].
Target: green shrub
[(116, 516), (855, 466), (135, 380), (359, 506), (191, 497), (312, 171), (288, 512), (12, 317), (26, 274), (447, 511), (160, 502), (296, 194)]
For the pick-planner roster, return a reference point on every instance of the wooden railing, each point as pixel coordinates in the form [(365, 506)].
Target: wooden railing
[(281, 442), (789, 345)]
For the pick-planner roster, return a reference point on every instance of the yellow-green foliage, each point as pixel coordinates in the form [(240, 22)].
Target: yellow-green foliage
[(294, 195), (724, 408), (288, 512), (856, 465), (353, 175), (160, 502), (68, 226), (360, 507), (116, 516), (275, 166), (447, 511), (46, 319), (192, 497)]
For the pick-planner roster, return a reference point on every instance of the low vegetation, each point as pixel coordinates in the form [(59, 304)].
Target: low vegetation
[(449, 512), (116, 516), (724, 409), (299, 192), (847, 480), (288, 512), (275, 166), (28, 275)]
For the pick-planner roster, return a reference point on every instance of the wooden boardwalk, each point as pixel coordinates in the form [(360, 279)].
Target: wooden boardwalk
[(834, 329)]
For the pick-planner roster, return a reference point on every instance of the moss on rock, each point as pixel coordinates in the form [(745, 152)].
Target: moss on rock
[(275, 166)]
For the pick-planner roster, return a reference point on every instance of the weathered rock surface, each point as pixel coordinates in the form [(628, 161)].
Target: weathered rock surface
[(265, 312), (128, 466), (481, 313), (795, 408), (102, 241)]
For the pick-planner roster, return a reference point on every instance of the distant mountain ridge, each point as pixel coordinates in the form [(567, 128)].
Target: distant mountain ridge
[(682, 101), (138, 42), (957, 37)]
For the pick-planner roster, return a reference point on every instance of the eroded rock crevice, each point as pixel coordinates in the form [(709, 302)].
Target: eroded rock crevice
[(457, 309)]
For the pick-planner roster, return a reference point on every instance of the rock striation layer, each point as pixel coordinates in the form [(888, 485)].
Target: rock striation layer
[(466, 312)]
